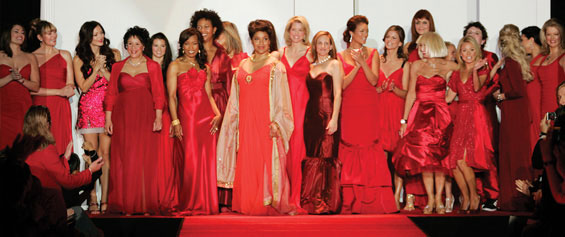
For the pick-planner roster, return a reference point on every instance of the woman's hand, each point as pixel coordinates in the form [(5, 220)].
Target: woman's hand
[(544, 125), (274, 130), (96, 165), (479, 64), (358, 57), (99, 63), (157, 125), (177, 131), (69, 150), (215, 124), (523, 186), (402, 130), (332, 126), (67, 91), (16, 76), (109, 127)]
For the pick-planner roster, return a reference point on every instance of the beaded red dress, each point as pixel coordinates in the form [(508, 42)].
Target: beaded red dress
[(15, 100)]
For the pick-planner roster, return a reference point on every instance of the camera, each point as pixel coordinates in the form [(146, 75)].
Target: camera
[(551, 116)]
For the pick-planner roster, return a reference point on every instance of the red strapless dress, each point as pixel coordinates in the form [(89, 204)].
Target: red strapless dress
[(15, 100)]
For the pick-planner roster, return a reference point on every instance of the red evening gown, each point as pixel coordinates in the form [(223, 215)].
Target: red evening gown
[(514, 157), (472, 131), (533, 88), (135, 152), (391, 109), (235, 61), (550, 76), (166, 175), (220, 68), (15, 100), (195, 155), (426, 140), (321, 168), (365, 178), (53, 74), (299, 96)]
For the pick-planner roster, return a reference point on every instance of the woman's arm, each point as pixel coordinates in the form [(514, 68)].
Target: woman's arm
[(405, 79), (410, 95), (349, 77), (337, 72), (176, 128), (372, 73), (208, 87)]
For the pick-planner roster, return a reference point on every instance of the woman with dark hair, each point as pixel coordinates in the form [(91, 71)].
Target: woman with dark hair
[(160, 51), (422, 22), (210, 26), (134, 106), (19, 75), (57, 82), (92, 80), (256, 130), (393, 81), (321, 167), (196, 119), (531, 42), (365, 178)]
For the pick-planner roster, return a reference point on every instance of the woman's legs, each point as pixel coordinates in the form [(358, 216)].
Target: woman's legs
[(104, 151)]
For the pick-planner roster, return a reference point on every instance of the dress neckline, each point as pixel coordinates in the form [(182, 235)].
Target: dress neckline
[(298, 60), (135, 74)]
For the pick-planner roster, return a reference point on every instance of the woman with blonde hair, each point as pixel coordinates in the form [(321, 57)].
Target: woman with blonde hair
[(232, 43), (516, 120)]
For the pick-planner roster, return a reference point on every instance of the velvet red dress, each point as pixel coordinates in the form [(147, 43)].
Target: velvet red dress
[(514, 161), (15, 100), (365, 179), (391, 109), (195, 155), (53, 74), (426, 140), (321, 168), (472, 131), (135, 151), (297, 74), (550, 77), (220, 67)]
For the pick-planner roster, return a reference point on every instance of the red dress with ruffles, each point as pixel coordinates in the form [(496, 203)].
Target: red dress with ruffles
[(15, 100)]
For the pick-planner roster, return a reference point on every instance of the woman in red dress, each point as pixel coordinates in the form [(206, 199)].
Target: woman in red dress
[(18, 76), (230, 40), (210, 26), (134, 106), (551, 67), (514, 159), (256, 130), (426, 124), (422, 22), (321, 169), (160, 52), (296, 59), (391, 95), (195, 122), (532, 44), (57, 82), (470, 148), (365, 178)]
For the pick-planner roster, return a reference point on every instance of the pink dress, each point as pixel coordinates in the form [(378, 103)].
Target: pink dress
[(297, 74), (91, 117)]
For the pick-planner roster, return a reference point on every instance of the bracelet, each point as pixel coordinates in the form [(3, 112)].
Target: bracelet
[(175, 122)]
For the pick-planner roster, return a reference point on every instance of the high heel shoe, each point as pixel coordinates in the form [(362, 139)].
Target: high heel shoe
[(103, 207), (449, 201), (93, 208), (474, 208), (409, 202), (464, 209), (440, 209), (428, 209)]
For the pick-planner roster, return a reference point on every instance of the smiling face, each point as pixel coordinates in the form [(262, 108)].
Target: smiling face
[(17, 35), (323, 46), (158, 48), (261, 42), (135, 47), (422, 25), (206, 29), (191, 46), (49, 37), (552, 37), (468, 52), (97, 37), (360, 34), (297, 32), (392, 40)]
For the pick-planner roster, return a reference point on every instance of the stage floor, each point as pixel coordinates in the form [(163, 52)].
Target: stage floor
[(401, 224)]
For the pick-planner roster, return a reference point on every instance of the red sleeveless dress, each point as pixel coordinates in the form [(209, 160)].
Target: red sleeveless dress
[(53, 74), (533, 88), (299, 96), (550, 76), (365, 179), (391, 109), (15, 100)]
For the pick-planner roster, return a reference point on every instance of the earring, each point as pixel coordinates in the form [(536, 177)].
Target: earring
[(199, 51)]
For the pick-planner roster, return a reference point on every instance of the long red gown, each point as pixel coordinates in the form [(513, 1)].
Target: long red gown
[(321, 169), (166, 175), (391, 109), (472, 131), (365, 179), (426, 140), (297, 74), (533, 88), (135, 151), (15, 100), (514, 161), (195, 155), (220, 68), (53, 74), (550, 77)]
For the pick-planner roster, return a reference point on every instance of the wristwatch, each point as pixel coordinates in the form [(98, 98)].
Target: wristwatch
[(403, 121)]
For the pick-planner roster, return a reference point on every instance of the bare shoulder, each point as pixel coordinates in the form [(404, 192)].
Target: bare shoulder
[(66, 54), (117, 54)]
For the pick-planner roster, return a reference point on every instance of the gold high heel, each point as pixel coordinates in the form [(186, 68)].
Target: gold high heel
[(428, 209), (409, 202)]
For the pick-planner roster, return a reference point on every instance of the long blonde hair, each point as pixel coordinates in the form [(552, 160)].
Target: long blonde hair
[(510, 45), (233, 41), (550, 23), (37, 123), (478, 50)]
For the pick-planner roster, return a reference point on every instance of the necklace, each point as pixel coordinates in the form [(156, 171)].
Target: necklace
[(322, 61), (254, 56), (134, 64), (356, 50)]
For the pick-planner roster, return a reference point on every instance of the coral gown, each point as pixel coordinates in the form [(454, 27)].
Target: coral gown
[(195, 155), (426, 140), (53, 74), (135, 151), (297, 74), (365, 177), (391, 109), (472, 130), (321, 169), (15, 100)]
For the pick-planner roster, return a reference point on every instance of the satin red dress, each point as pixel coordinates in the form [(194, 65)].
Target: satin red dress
[(195, 155), (15, 100), (135, 147), (365, 179), (514, 157), (550, 77), (166, 175), (220, 67), (321, 168), (391, 109), (472, 131), (426, 140), (235, 61), (297, 74), (533, 89), (53, 74)]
